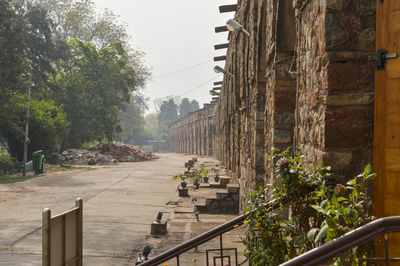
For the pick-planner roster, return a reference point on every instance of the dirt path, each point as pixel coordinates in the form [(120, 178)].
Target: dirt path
[(120, 202)]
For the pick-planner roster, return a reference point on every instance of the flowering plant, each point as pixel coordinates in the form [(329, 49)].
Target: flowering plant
[(304, 208)]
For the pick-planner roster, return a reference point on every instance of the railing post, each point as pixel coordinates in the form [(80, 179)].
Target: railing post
[(177, 260), (46, 237), (385, 237), (222, 251), (79, 228)]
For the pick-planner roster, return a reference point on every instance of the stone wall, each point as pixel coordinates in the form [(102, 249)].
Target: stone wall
[(304, 79), (194, 133), (335, 114)]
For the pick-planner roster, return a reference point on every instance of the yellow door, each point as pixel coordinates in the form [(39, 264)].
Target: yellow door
[(387, 116)]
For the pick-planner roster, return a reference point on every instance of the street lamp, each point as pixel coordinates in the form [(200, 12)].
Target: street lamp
[(233, 25), (218, 69)]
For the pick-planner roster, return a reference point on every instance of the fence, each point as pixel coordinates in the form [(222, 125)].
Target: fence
[(62, 237)]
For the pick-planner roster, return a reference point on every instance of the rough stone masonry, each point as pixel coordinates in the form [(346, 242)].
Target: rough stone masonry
[(304, 79)]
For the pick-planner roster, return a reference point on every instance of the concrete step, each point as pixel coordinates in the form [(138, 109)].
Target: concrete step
[(222, 194), (233, 188), (215, 184), (204, 185)]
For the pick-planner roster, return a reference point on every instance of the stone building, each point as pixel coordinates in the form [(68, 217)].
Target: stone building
[(304, 78)]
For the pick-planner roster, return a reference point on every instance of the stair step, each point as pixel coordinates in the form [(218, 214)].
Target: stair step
[(215, 185), (204, 185), (233, 188), (183, 210), (222, 194)]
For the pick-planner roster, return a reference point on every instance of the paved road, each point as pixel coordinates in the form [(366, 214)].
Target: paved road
[(120, 202)]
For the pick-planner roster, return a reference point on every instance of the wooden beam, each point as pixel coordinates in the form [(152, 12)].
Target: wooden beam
[(215, 98), (220, 58), (221, 29), (218, 83), (227, 8), (221, 46), (217, 88)]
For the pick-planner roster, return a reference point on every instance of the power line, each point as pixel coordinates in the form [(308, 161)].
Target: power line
[(184, 69), (199, 86)]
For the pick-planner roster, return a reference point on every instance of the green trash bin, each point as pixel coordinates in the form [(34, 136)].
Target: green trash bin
[(37, 160)]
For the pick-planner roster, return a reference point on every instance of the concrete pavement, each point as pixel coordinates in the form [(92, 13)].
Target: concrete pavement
[(119, 203)]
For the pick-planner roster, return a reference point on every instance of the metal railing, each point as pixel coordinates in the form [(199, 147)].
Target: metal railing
[(197, 241), (360, 236)]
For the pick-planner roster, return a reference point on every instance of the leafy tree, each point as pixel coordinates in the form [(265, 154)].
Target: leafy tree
[(132, 121), (151, 125), (78, 19), (48, 125), (13, 63), (187, 106), (168, 112), (95, 85), (195, 105)]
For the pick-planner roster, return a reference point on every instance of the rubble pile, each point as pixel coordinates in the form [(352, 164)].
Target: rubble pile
[(123, 152), (103, 154)]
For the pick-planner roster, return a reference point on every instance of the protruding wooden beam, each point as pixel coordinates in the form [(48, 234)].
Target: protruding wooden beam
[(221, 46), (218, 83), (221, 29), (227, 8), (217, 88), (220, 58), (215, 98)]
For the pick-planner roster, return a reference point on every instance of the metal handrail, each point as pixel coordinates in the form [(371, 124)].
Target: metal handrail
[(350, 240), (197, 241)]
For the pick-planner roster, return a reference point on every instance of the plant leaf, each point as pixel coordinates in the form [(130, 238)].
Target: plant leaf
[(311, 234), (319, 209), (322, 234)]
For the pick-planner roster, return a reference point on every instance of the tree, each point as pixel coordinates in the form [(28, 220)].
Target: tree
[(48, 125), (96, 83), (195, 105), (186, 107), (132, 121), (78, 19), (168, 112), (13, 63)]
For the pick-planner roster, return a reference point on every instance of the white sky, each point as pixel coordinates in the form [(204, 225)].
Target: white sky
[(175, 34)]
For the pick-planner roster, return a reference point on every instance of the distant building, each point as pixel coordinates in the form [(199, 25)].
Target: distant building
[(156, 145)]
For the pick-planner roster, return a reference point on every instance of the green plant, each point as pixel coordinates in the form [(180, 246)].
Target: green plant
[(205, 172), (181, 177), (304, 209), (345, 208), (216, 171), (8, 165)]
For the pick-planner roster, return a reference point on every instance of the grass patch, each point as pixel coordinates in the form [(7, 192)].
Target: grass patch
[(4, 179), (69, 168)]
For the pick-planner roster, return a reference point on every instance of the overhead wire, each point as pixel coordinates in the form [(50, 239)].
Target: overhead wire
[(199, 86), (184, 69)]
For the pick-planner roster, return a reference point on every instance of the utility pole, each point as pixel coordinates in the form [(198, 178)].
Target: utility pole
[(26, 141)]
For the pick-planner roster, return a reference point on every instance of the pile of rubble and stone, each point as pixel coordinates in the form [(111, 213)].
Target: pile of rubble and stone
[(106, 153)]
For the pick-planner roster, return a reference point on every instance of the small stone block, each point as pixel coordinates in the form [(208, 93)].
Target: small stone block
[(158, 229), (183, 192)]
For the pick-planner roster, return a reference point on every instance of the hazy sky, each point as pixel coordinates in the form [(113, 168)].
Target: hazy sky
[(175, 34)]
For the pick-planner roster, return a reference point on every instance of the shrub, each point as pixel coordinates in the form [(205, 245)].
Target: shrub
[(8, 165), (317, 210)]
